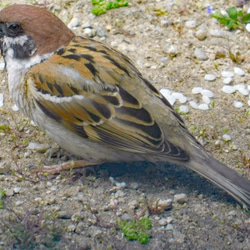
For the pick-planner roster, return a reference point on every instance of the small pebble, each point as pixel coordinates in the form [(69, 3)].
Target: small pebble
[(191, 24), (169, 227), (39, 147), (228, 89), (238, 71), (163, 222), (201, 34), (228, 80), (238, 104), (199, 54), (227, 73), (203, 106), (180, 198), (226, 137), (248, 102), (1, 100), (217, 33), (210, 77), (75, 22)]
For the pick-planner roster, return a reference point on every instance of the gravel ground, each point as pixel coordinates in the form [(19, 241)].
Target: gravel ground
[(178, 47)]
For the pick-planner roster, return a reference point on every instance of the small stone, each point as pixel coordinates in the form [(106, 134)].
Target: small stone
[(203, 106), (238, 104), (228, 80), (201, 34), (228, 89), (16, 190), (1, 100), (217, 33), (183, 109), (169, 227), (39, 147), (191, 24), (226, 73), (226, 137), (238, 71), (207, 92), (180, 198), (196, 90), (164, 204), (171, 50), (199, 54), (248, 102), (163, 222), (75, 22), (210, 77)]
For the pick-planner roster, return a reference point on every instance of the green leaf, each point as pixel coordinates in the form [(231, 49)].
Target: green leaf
[(233, 13), (246, 18)]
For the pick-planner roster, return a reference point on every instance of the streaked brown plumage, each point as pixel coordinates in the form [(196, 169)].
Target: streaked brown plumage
[(94, 103)]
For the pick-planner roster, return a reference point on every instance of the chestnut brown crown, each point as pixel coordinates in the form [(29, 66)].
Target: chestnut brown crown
[(48, 32)]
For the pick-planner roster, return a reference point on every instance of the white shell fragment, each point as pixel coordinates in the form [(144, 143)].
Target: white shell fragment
[(2, 66), (226, 137), (228, 80), (210, 77), (238, 104), (1, 100), (179, 96), (238, 71), (183, 109), (203, 106), (206, 99), (15, 107), (228, 89), (196, 90), (248, 27), (242, 89), (193, 104), (227, 73), (207, 92)]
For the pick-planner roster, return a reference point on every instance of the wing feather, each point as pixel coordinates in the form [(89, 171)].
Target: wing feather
[(87, 97)]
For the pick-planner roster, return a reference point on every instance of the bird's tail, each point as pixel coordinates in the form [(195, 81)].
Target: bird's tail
[(221, 175)]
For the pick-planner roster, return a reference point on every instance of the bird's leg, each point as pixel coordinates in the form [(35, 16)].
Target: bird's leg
[(56, 169)]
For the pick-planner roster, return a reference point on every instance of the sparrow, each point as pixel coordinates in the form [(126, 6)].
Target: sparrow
[(92, 101)]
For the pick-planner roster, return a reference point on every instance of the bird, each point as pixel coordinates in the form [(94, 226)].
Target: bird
[(92, 101)]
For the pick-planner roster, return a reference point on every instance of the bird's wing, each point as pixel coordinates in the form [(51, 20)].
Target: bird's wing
[(80, 87)]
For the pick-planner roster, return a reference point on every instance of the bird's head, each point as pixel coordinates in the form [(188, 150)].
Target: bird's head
[(27, 30)]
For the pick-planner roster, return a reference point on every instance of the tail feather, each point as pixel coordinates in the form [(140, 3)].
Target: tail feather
[(221, 175)]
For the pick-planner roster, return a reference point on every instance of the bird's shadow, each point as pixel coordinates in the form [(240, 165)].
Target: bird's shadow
[(156, 178)]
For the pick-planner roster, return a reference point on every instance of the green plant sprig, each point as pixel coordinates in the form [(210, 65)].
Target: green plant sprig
[(234, 18), (136, 230), (101, 6)]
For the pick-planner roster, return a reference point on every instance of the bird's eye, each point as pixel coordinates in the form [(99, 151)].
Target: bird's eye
[(14, 29)]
